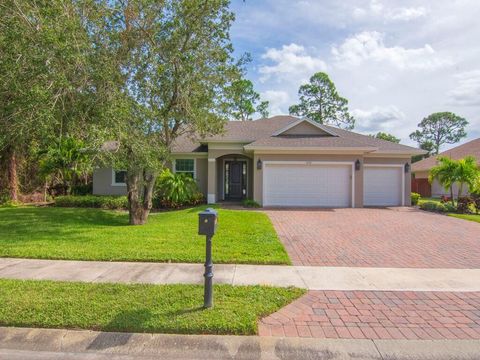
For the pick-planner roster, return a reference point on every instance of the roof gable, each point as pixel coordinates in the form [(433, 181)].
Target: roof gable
[(304, 127)]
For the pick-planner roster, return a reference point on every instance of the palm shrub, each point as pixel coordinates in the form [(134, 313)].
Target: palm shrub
[(467, 174), (64, 162), (177, 189), (449, 171)]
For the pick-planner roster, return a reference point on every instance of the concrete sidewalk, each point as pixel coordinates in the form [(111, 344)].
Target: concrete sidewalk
[(25, 343), (309, 277)]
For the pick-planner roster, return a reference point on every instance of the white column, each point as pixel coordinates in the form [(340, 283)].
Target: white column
[(212, 181)]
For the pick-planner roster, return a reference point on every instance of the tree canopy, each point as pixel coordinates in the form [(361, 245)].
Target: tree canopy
[(386, 136), (438, 129), (245, 101), (173, 64), (320, 101)]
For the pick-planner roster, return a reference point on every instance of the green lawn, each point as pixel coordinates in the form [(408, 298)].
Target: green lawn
[(138, 308), (475, 218), (94, 234)]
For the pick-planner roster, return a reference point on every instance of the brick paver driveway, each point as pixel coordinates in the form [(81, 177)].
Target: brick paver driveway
[(378, 315), (396, 237)]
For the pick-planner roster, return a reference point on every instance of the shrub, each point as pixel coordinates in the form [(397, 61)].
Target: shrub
[(174, 190), (476, 201), (465, 205), (92, 201), (82, 189), (450, 207), (433, 206), (415, 197), (250, 203), (445, 199)]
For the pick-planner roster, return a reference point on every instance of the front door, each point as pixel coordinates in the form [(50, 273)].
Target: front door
[(235, 180)]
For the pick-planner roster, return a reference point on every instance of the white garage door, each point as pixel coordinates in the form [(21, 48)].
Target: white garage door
[(307, 184), (382, 185)]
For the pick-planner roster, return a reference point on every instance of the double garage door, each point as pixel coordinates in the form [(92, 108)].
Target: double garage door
[(307, 184), (320, 184)]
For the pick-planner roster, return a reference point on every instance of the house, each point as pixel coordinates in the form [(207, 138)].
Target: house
[(421, 169), (287, 161)]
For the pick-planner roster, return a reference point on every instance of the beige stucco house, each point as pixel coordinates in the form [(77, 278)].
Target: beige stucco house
[(287, 161)]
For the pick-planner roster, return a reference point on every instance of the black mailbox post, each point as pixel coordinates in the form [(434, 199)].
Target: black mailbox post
[(207, 225)]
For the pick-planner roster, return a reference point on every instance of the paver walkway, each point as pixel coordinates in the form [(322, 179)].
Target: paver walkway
[(309, 277), (394, 237), (378, 315)]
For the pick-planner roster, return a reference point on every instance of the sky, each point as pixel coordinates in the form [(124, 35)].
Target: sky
[(395, 61)]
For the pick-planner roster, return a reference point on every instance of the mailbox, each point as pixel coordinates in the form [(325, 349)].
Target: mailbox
[(207, 222)]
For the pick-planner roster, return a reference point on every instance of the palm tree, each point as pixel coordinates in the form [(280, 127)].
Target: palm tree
[(448, 172), (444, 172), (467, 173)]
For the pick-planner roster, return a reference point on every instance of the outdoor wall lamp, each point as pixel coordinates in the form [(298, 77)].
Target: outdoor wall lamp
[(407, 167), (357, 165), (259, 164)]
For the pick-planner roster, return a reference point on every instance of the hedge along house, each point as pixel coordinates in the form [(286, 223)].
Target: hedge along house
[(287, 161)]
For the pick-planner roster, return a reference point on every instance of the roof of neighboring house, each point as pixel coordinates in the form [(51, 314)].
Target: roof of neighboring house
[(273, 133), (471, 148)]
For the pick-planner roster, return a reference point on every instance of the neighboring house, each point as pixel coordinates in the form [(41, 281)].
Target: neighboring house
[(421, 169), (286, 161)]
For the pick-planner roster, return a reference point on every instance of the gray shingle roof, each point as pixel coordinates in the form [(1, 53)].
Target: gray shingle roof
[(259, 134), (471, 148)]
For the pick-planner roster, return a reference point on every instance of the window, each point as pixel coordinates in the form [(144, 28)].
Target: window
[(186, 166), (119, 177)]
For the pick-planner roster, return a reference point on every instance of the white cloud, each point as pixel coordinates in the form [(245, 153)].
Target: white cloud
[(407, 14), (378, 119), (290, 61), (370, 46), (376, 9), (467, 91), (278, 100)]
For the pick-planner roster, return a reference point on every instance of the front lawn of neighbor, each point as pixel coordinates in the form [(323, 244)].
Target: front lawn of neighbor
[(94, 234), (139, 308), (475, 218)]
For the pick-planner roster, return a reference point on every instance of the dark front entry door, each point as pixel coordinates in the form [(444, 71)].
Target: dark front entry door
[(235, 179)]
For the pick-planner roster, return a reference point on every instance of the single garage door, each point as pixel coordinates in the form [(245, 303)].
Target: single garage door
[(307, 184), (382, 185)]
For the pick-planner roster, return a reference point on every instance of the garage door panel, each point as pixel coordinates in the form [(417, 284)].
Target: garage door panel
[(382, 186), (307, 185)]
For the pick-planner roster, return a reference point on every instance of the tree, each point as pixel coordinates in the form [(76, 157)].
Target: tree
[(47, 88), (320, 101), (173, 63), (245, 101), (444, 172), (467, 173), (449, 171), (428, 146), (387, 137), (439, 129)]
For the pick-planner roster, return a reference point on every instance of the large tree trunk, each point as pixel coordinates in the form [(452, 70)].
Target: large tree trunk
[(12, 174), (140, 185)]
